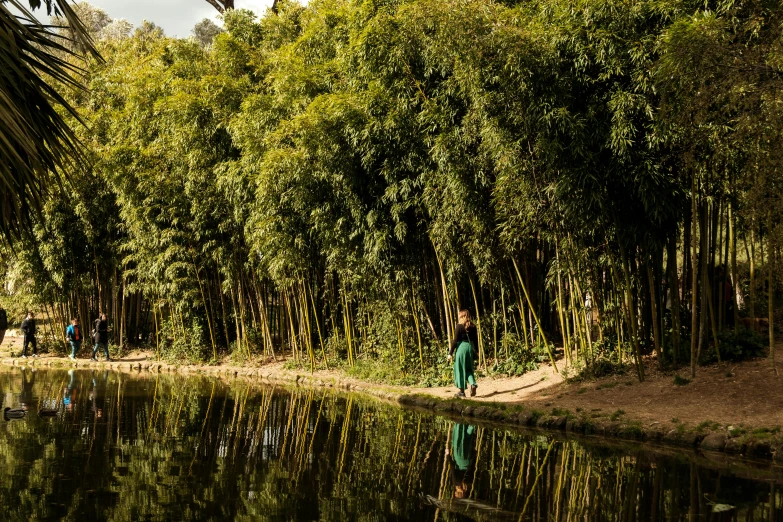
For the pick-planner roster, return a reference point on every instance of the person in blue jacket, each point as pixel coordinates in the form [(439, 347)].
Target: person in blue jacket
[(75, 337)]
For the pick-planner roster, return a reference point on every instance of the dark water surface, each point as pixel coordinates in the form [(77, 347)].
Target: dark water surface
[(114, 447)]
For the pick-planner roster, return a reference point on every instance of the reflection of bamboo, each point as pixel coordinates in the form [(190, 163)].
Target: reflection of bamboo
[(412, 463), (443, 474), (397, 437), (491, 461), (631, 501), (266, 403), (154, 404), (479, 438), (692, 511), (656, 493), (560, 480), (315, 428), (233, 432), (291, 407), (502, 468), (302, 442), (519, 475), (119, 408), (539, 472), (203, 426), (344, 438), (174, 400)]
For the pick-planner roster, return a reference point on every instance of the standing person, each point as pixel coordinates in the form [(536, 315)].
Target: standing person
[(100, 335), (464, 344), (75, 337), (3, 323), (28, 330)]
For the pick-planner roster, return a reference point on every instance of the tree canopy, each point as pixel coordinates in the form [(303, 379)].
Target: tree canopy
[(335, 180)]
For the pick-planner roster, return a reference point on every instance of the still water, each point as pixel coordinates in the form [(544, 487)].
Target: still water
[(95, 445)]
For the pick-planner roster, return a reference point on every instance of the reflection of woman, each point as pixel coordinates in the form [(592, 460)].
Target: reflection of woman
[(464, 344), (463, 441)]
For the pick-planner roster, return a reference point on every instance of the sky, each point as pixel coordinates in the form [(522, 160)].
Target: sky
[(176, 17)]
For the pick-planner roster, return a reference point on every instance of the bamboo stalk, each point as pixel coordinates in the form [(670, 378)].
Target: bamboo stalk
[(318, 326), (734, 279), (675, 297), (482, 354), (535, 316), (209, 320), (418, 328), (694, 282), (446, 304), (771, 299), (654, 305), (564, 333)]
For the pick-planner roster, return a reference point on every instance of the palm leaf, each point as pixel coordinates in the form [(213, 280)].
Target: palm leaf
[(37, 146)]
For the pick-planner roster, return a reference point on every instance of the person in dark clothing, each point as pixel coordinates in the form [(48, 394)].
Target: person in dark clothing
[(3, 324), (463, 462), (28, 330), (100, 335), (463, 349)]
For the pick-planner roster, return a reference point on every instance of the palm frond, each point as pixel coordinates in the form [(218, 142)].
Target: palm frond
[(37, 146)]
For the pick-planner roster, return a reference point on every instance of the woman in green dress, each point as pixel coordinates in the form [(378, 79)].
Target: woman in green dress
[(463, 348)]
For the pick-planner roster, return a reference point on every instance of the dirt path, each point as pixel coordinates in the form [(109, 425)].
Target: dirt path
[(748, 394)]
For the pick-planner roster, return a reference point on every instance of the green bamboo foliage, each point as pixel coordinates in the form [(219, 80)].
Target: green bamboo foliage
[(333, 182)]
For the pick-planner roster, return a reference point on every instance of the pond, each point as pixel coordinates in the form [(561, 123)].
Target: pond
[(100, 445)]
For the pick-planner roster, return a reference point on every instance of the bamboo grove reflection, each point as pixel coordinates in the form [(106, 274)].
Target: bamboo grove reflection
[(108, 446)]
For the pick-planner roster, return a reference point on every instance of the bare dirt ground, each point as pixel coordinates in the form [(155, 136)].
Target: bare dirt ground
[(747, 394)]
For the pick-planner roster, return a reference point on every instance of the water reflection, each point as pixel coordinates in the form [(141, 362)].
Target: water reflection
[(106, 446), (463, 461)]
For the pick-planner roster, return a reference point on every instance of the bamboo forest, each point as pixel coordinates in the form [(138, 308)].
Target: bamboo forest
[(245, 269), (332, 181)]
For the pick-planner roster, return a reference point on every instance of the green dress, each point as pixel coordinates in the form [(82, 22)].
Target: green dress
[(463, 366), (462, 445)]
